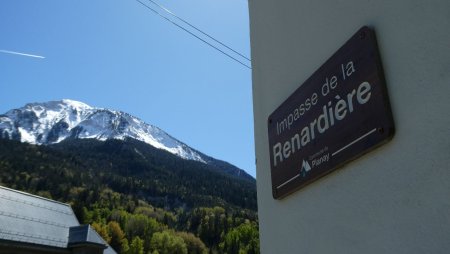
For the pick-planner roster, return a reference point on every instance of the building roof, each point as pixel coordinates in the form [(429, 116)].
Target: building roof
[(32, 219)]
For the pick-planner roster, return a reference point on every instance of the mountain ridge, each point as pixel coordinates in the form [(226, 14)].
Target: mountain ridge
[(47, 123)]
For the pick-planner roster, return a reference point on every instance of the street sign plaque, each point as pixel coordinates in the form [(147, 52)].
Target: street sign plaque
[(338, 114)]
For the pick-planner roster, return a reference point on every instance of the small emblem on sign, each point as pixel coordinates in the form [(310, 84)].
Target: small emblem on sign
[(305, 168)]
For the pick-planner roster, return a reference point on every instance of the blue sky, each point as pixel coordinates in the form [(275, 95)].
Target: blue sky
[(119, 55)]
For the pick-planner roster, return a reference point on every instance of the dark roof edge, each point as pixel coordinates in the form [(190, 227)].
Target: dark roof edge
[(31, 246), (90, 244)]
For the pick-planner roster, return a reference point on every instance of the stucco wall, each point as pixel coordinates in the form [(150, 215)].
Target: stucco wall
[(395, 199)]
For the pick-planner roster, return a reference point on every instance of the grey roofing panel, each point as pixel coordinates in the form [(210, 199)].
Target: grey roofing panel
[(38, 214), (32, 219), (34, 200), (33, 232), (94, 237), (109, 250)]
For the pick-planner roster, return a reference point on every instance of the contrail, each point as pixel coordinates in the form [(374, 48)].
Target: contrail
[(20, 54)]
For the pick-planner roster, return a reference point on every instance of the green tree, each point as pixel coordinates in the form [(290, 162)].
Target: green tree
[(212, 224), (125, 247), (167, 242), (241, 240), (140, 225), (137, 246)]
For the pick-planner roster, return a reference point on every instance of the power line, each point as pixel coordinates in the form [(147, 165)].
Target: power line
[(184, 29), (196, 28), (189, 32)]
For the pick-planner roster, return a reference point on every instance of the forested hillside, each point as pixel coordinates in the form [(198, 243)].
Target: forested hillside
[(139, 198)]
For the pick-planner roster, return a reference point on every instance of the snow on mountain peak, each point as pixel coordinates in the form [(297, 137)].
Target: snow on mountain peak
[(54, 121), (76, 104)]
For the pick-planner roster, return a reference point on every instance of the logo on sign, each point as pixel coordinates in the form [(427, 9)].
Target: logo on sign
[(305, 168)]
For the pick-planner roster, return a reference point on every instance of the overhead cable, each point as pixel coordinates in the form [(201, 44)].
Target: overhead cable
[(191, 33), (196, 28)]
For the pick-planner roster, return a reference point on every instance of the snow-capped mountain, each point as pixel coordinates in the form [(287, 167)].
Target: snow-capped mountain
[(52, 122)]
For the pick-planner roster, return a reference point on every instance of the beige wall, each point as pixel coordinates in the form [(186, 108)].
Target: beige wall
[(395, 199)]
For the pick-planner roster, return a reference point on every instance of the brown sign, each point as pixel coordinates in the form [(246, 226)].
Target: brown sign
[(341, 112)]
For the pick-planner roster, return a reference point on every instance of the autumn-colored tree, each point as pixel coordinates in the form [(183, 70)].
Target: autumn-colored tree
[(102, 230), (117, 235), (194, 244)]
